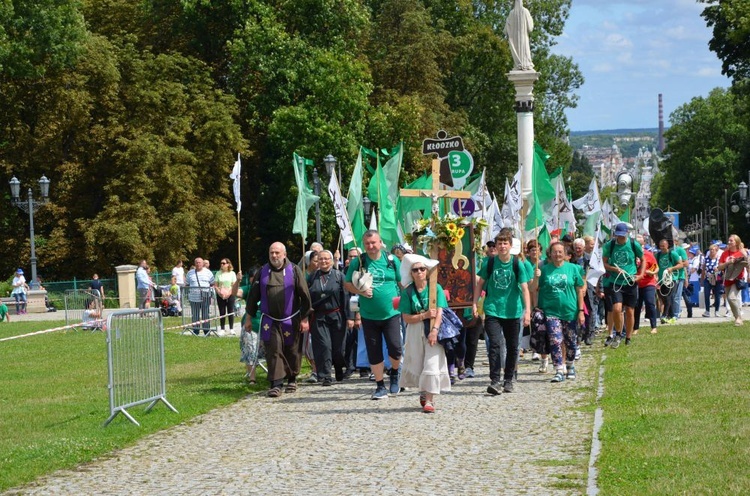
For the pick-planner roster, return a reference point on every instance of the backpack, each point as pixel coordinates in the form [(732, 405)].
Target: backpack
[(491, 266), (612, 245)]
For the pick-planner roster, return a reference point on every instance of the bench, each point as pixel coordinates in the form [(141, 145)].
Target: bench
[(34, 301)]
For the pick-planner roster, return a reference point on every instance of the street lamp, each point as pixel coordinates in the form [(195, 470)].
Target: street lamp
[(331, 162), (29, 206), (316, 185), (367, 207)]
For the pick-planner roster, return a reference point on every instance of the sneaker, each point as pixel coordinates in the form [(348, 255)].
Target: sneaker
[(494, 389), (507, 386), (364, 373), (543, 366), (535, 357), (608, 341), (578, 354), (327, 381), (588, 341), (429, 407), (220, 332), (615, 343), (394, 376), (372, 376), (559, 377), (231, 332), (461, 373), (706, 314), (571, 373), (627, 341), (673, 320), (381, 393), (469, 372), (313, 379)]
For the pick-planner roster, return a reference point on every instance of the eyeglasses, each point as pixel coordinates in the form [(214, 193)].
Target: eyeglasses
[(321, 259), (419, 269), (223, 263)]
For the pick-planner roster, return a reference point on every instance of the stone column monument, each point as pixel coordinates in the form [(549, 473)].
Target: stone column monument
[(523, 76), (126, 285)]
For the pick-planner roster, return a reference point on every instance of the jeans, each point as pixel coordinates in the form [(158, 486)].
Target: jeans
[(677, 298), (646, 296), (717, 290), (497, 329)]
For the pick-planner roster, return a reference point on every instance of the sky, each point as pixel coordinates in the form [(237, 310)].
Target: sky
[(629, 52)]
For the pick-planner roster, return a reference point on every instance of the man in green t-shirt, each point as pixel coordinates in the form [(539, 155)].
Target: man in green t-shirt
[(679, 280), (4, 314), (380, 320), (619, 256), (669, 261), (506, 301)]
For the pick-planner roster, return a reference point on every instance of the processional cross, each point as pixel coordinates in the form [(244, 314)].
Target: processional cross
[(435, 194)]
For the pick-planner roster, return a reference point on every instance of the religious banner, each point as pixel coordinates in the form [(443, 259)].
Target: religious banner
[(456, 163), (339, 206), (589, 203)]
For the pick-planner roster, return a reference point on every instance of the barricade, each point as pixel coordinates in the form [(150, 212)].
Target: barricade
[(84, 306), (135, 356), (199, 304)]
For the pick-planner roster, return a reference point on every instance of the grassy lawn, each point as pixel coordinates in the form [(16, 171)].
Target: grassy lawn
[(53, 398), (677, 413)]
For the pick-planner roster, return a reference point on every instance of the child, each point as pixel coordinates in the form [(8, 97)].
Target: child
[(4, 313)]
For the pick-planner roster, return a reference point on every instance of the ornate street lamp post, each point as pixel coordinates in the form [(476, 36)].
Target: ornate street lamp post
[(29, 206)]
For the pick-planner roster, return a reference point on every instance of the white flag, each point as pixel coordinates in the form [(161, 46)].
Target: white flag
[(236, 185), (514, 197), (564, 209), (339, 206), (590, 202), (596, 264)]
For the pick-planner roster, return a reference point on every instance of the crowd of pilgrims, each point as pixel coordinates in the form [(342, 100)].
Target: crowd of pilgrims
[(388, 329)]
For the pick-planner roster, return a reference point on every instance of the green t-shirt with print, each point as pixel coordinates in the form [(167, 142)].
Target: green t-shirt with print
[(667, 260), (622, 255), (413, 301), (680, 251), (557, 290), (385, 279), (504, 299)]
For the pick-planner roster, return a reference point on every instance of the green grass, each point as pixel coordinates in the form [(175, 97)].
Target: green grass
[(677, 413), (53, 398)]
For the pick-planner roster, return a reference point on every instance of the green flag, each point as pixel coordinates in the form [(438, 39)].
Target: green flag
[(542, 189), (354, 203), (378, 191), (305, 196), (625, 217), (544, 240)]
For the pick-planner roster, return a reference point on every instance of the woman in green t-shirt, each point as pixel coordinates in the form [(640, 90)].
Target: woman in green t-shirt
[(425, 364), (561, 299)]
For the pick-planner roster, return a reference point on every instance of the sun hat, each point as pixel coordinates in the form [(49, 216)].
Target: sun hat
[(408, 261), (19, 271), (621, 229)]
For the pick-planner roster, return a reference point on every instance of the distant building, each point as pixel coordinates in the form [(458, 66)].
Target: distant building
[(606, 162)]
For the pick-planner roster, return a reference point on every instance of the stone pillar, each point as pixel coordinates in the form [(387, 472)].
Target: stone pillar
[(126, 285), (524, 84), (35, 301)]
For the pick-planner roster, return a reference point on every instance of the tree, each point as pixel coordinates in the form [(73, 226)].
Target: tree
[(730, 20), (704, 147)]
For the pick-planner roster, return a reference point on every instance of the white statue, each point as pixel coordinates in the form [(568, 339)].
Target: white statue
[(517, 27)]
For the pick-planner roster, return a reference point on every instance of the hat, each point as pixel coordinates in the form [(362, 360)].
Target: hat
[(685, 246), (490, 244), (566, 239), (723, 246), (621, 229), (19, 271), (408, 261), (694, 250), (515, 247)]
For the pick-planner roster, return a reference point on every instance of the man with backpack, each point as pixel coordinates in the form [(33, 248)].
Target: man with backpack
[(619, 256), (505, 280), (377, 277)]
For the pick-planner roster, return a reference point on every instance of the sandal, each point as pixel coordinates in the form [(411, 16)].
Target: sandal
[(429, 407), (559, 377), (291, 387), (274, 392)]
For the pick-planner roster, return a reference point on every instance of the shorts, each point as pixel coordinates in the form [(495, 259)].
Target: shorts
[(627, 295), (377, 331)]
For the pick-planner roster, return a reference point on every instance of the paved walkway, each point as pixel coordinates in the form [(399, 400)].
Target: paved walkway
[(337, 441)]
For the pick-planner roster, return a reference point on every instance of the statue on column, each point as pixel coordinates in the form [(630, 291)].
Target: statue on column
[(517, 27)]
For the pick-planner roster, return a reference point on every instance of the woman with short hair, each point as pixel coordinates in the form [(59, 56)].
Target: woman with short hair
[(711, 279)]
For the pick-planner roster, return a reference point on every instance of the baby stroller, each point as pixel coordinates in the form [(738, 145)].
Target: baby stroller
[(169, 304)]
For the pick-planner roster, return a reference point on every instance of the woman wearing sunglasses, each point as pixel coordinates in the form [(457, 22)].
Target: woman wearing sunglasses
[(425, 365)]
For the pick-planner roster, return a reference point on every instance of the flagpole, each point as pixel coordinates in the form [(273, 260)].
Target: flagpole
[(239, 251)]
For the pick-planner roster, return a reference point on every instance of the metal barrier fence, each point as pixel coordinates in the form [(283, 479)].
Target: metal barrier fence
[(199, 305), (84, 305), (135, 355)]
